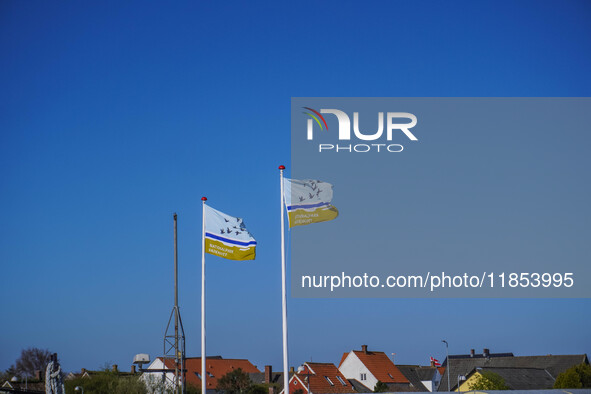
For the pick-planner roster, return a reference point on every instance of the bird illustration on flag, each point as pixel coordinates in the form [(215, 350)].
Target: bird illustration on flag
[(308, 201), (227, 237)]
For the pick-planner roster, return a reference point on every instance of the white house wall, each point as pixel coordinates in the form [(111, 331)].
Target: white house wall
[(352, 368), (153, 379)]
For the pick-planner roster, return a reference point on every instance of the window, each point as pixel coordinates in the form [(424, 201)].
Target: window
[(362, 376), (341, 380), (198, 375), (391, 377), (329, 381), (210, 375)]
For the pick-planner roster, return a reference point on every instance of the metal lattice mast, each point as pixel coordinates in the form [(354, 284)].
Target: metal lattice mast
[(174, 341)]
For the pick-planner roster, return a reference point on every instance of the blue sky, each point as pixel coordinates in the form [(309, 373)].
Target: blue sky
[(113, 116)]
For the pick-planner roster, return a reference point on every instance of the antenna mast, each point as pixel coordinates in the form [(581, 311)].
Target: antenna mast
[(174, 342)]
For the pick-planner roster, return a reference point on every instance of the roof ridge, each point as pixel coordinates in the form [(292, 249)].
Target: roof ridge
[(556, 355), (488, 367), (368, 352), (219, 358)]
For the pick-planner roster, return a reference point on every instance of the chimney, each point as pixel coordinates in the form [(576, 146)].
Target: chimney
[(115, 368), (364, 349), (291, 370), (133, 369), (38, 375), (432, 363), (268, 374), (471, 352), (82, 371), (486, 352)]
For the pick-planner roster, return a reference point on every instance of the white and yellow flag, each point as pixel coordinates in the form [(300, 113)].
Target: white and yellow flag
[(226, 236), (308, 201)]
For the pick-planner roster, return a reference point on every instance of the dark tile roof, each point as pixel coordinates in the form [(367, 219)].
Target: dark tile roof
[(358, 386), (553, 364), (414, 374), (403, 388), (426, 373), (276, 378), (524, 378), (476, 355)]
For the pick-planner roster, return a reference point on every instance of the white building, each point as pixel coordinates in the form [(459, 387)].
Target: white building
[(369, 367)]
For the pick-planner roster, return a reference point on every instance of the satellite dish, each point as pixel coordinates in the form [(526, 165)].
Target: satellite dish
[(141, 358)]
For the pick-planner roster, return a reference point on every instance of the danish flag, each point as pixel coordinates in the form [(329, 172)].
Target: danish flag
[(435, 362)]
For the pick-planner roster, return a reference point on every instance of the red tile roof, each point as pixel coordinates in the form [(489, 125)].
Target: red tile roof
[(217, 367), (320, 374), (379, 365)]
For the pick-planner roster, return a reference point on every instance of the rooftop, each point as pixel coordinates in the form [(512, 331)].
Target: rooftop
[(379, 364), (554, 364)]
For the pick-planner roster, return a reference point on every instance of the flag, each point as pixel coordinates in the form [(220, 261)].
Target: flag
[(435, 362), (308, 201), (226, 236)]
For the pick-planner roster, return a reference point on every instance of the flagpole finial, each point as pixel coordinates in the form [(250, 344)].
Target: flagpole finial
[(282, 167), (203, 198)]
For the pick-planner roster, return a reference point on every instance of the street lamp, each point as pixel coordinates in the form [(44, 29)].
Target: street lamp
[(79, 388), (447, 366)]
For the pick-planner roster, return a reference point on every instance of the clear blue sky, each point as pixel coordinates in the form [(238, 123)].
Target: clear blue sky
[(115, 115)]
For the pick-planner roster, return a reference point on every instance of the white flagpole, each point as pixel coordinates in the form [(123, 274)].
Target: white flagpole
[(283, 291), (203, 366)]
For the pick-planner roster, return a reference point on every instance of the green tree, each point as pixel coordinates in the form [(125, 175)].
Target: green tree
[(191, 389), (259, 389), (576, 377), (486, 380), (235, 382), (107, 382), (380, 387), (238, 382)]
